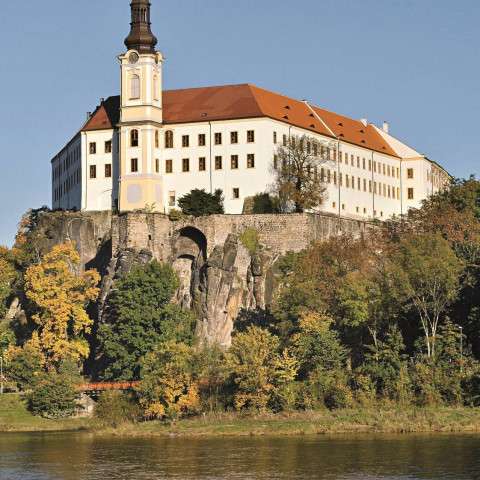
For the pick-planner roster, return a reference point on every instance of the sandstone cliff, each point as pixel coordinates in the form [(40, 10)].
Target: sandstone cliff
[(219, 276)]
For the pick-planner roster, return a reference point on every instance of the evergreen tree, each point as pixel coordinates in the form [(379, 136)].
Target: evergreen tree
[(141, 317), (199, 203)]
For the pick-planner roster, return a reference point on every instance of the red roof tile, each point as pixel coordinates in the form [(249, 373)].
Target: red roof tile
[(248, 101)]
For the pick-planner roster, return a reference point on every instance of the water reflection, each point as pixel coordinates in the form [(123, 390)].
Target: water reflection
[(85, 457)]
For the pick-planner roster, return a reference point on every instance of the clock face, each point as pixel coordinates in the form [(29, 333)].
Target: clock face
[(133, 58)]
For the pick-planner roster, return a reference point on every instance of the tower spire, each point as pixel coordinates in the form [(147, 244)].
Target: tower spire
[(141, 37)]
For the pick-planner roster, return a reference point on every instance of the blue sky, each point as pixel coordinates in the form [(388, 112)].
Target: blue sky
[(415, 63)]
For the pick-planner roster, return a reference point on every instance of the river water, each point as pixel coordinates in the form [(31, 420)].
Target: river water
[(84, 457)]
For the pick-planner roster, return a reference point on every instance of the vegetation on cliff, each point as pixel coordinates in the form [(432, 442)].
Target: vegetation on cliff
[(356, 323)]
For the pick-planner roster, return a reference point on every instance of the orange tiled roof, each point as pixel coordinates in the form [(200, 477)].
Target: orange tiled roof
[(248, 101)]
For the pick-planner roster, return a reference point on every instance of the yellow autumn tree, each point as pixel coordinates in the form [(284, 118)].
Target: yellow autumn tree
[(61, 294), (168, 389)]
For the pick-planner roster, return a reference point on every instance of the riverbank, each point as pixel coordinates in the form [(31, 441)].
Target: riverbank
[(14, 417)]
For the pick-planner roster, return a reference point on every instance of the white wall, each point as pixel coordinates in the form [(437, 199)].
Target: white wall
[(368, 166)]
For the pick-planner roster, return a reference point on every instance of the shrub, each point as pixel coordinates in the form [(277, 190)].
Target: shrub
[(264, 203), (168, 389), (24, 366), (250, 240), (175, 215), (54, 396), (116, 408), (199, 203)]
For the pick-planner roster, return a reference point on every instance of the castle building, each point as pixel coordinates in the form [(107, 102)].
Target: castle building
[(147, 147)]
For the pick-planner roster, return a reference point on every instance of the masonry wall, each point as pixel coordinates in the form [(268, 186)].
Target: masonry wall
[(278, 233)]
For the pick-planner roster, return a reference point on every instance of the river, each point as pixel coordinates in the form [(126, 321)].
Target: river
[(83, 457)]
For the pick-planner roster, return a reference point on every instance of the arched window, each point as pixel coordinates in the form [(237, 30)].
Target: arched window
[(168, 139), (134, 138), (135, 87), (155, 88), (157, 141)]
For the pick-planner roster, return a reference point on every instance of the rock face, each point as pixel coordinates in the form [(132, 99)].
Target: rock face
[(218, 276)]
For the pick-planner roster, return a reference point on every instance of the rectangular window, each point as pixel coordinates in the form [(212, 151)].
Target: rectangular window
[(218, 139), (108, 170), (168, 166), (275, 138), (284, 141), (93, 148), (171, 199), (134, 165), (250, 136), (202, 140), (363, 163), (275, 162), (234, 162), (233, 137), (410, 173), (358, 162), (218, 163), (157, 165), (250, 160), (369, 165), (93, 171), (202, 164), (410, 193), (108, 146), (236, 193), (185, 141), (186, 165)]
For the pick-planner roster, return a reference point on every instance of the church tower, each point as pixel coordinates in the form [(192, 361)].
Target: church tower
[(140, 115)]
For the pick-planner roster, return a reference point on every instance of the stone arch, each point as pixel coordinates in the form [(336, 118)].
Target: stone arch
[(191, 243), (190, 256)]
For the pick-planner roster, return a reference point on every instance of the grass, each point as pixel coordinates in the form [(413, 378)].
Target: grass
[(374, 420), (14, 417)]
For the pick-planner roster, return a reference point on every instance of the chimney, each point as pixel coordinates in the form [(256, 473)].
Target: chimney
[(89, 115), (364, 121), (386, 127), (102, 100)]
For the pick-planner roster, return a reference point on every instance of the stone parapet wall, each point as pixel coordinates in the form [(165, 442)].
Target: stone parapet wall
[(278, 233)]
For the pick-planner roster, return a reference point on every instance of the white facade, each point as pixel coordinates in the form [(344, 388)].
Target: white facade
[(363, 184), (121, 158)]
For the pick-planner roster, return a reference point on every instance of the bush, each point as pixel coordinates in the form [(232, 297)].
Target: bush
[(250, 240), (168, 389), (24, 366), (264, 203), (199, 203), (116, 408), (53, 397)]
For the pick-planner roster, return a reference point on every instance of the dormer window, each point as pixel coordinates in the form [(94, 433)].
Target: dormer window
[(135, 87)]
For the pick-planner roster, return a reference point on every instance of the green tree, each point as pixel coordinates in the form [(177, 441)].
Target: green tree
[(54, 396), (427, 274), (24, 365), (199, 203), (264, 203), (385, 364), (141, 317)]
